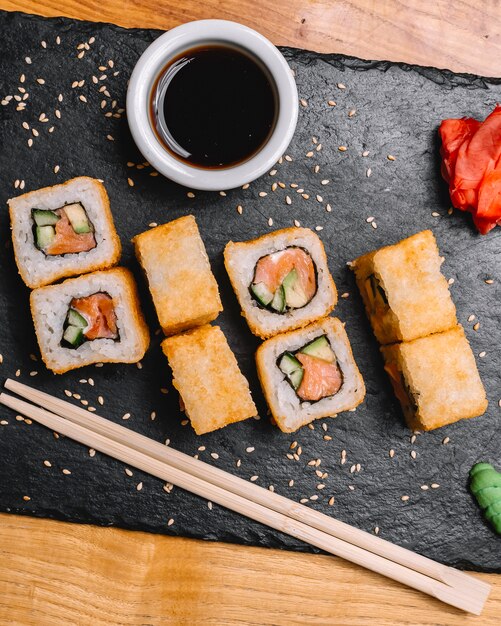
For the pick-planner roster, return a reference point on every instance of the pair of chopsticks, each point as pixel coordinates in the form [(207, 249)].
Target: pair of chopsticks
[(440, 581)]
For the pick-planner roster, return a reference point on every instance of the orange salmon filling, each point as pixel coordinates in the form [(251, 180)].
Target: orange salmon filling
[(320, 379), (99, 312), (288, 275), (67, 241)]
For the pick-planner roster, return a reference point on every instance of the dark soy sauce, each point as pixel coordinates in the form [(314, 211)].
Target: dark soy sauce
[(214, 106)]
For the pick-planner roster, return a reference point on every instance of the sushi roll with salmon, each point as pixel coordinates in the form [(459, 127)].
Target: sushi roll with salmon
[(94, 318), (182, 285), (62, 231), (404, 292), (435, 379), (281, 280), (212, 389), (309, 374)]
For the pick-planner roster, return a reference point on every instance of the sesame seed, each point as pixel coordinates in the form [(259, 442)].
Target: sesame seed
[(476, 326), (130, 182), (305, 196), (314, 497), (309, 154), (19, 418), (352, 469), (342, 148), (365, 153), (404, 498), (26, 498), (424, 487), (345, 295), (246, 186), (413, 454), (321, 486), (331, 500), (250, 449), (67, 472), (92, 452), (435, 485), (28, 60), (445, 440), (214, 455), (126, 416), (209, 505), (253, 478), (390, 157), (56, 169), (190, 194), (263, 194), (368, 173), (471, 318), (288, 158), (303, 500), (273, 172), (376, 530), (341, 86), (240, 209), (184, 422), (328, 208), (40, 81), (316, 169), (221, 193), (391, 453), (331, 103), (327, 438), (274, 186), (139, 486), (482, 354), (291, 483), (128, 472), (30, 142), (488, 281), (435, 214), (352, 112), (34, 132), (82, 98), (26, 125), (326, 181), (303, 102), (170, 522), (319, 228), (270, 222), (297, 223), (319, 198), (450, 281)]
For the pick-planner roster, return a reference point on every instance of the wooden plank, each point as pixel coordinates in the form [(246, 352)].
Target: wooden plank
[(461, 36), (58, 574)]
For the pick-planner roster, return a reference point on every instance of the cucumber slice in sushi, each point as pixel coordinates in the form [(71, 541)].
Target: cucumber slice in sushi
[(295, 297), (278, 302), (262, 294), (320, 348), (44, 236), (45, 218), (75, 319), (74, 336), (78, 218), (292, 368)]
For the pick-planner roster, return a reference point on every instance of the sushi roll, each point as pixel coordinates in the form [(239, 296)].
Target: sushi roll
[(182, 285), (309, 374), (62, 231), (404, 292), (436, 380), (281, 280), (95, 318), (205, 372)]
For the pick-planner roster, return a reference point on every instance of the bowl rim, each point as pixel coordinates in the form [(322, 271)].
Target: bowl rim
[(154, 59)]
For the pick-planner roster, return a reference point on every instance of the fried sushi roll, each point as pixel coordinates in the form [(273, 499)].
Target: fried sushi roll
[(205, 372), (95, 318), (309, 374), (182, 285), (436, 380), (62, 231), (404, 292), (281, 280)]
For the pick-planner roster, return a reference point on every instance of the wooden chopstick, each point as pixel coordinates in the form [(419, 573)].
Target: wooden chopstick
[(462, 591), (248, 490)]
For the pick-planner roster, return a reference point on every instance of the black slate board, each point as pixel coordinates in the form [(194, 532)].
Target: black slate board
[(398, 109)]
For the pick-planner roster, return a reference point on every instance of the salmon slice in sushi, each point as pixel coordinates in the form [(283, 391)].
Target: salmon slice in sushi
[(63, 231), (309, 374), (95, 318), (281, 280)]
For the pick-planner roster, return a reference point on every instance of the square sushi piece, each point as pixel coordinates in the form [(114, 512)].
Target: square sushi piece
[(281, 280), (95, 318), (436, 380), (404, 292), (62, 231), (205, 372), (309, 373), (182, 285)]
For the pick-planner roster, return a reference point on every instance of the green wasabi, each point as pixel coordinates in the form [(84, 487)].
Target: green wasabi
[(485, 485)]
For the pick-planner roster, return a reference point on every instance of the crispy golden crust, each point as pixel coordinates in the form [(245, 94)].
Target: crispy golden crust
[(418, 295), (278, 344), (442, 377), (206, 374), (256, 326), (84, 268), (131, 299), (182, 285)]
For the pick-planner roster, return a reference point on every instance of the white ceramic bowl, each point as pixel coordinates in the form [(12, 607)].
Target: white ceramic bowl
[(153, 61)]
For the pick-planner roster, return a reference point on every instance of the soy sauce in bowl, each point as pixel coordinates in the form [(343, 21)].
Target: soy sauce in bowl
[(214, 106)]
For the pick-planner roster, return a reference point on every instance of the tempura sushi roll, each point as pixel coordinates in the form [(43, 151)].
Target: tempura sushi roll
[(95, 318), (405, 294), (281, 280), (205, 372), (309, 374), (62, 231), (436, 380), (182, 285)]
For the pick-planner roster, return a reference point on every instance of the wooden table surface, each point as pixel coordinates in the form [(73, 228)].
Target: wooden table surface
[(52, 573)]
